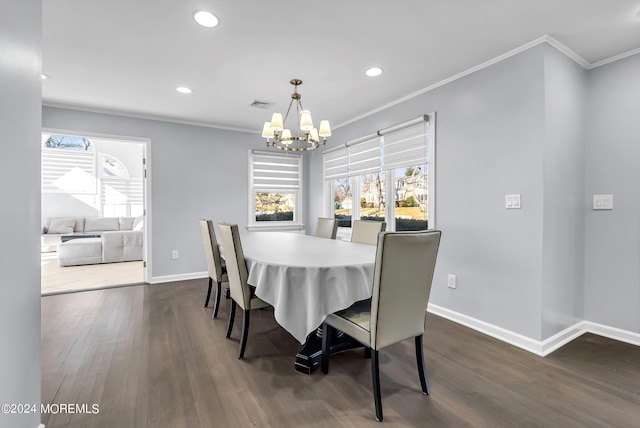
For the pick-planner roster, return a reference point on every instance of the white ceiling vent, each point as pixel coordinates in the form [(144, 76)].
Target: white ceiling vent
[(261, 104)]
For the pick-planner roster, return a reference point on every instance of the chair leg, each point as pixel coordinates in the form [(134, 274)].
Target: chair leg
[(327, 331), (232, 315), (216, 304), (206, 302), (375, 375), (424, 382), (245, 332)]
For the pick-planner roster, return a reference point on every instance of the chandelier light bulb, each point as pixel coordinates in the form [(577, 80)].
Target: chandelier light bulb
[(286, 136), (325, 129), (306, 123), (267, 132), (277, 124), (314, 135)]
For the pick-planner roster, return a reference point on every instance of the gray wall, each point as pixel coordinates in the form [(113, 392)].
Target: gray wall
[(196, 172), (20, 115), (612, 274), (542, 126), (563, 172), (490, 125)]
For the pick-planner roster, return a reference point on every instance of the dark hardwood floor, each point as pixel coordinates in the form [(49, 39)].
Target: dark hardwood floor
[(151, 356)]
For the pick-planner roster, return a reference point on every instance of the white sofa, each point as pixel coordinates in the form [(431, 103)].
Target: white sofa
[(82, 241)]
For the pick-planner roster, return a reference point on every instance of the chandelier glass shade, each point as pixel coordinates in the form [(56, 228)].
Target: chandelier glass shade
[(307, 136)]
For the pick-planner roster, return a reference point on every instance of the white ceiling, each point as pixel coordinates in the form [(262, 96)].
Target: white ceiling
[(128, 56)]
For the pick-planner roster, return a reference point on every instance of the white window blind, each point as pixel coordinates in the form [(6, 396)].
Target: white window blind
[(275, 172), (405, 147), (122, 191), (68, 171), (336, 164), (364, 158)]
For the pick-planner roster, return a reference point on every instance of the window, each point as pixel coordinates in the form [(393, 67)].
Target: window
[(276, 190), (406, 162), (387, 176), (112, 167), (372, 196), (76, 166), (411, 198), (342, 201), (68, 165), (120, 195)]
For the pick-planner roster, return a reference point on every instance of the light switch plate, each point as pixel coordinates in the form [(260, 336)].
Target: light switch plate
[(602, 202), (512, 201)]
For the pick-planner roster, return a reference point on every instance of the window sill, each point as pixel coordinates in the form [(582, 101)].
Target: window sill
[(279, 227)]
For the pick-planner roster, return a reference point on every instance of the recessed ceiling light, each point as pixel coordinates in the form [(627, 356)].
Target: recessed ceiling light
[(373, 72), (206, 19), (44, 76), (184, 90)]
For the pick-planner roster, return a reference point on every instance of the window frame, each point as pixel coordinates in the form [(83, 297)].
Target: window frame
[(297, 223)]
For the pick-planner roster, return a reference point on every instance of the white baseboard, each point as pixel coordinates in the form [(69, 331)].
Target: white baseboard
[(541, 348), (613, 333), (180, 277)]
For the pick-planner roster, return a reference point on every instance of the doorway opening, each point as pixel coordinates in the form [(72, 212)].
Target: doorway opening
[(94, 211)]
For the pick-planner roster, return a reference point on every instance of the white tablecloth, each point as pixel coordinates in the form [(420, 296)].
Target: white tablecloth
[(306, 278)]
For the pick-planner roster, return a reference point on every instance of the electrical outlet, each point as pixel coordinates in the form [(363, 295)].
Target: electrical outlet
[(175, 255), (451, 281)]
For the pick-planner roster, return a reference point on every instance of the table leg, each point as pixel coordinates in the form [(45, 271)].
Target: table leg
[(308, 358)]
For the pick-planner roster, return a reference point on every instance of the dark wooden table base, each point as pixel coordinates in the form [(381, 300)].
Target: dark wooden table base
[(308, 358)]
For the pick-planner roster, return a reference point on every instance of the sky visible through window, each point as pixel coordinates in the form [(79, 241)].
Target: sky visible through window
[(66, 142)]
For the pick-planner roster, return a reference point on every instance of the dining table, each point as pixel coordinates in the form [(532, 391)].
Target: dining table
[(305, 278)]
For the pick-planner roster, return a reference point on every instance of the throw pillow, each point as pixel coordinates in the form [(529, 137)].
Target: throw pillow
[(138, 223), (126, 223), (61, 226), (101, 224)]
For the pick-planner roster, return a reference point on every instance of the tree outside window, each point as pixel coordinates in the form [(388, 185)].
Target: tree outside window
[(274, 206), (372, 197), (342, 201)]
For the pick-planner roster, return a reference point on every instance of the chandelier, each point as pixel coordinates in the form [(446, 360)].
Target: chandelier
[(307, 138)]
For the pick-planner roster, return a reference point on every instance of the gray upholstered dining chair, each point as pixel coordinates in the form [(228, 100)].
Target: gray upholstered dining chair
[(403, 272), (242, 294), (366, 232), (215, 265), (327, 228)]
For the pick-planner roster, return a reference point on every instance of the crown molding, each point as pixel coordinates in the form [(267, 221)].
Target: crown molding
[(544, 39), (565, 50), (144, 116), (615, 58)]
